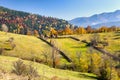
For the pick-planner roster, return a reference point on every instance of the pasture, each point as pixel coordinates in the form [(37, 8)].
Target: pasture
[(6, 63)]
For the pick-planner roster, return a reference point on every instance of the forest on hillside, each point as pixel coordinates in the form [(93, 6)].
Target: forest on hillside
[(23, 22)]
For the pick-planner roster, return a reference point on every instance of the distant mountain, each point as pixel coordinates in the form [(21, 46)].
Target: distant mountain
[(108, 24), (98, 20)]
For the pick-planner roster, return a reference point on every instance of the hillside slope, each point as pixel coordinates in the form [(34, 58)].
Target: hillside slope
[(23, 21), (27, 47), (6, 64)]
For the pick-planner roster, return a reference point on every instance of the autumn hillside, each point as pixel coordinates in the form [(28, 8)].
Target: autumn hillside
[(17, 21), (30, 48)]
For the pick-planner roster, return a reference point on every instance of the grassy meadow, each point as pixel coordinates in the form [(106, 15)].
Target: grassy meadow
[(27, 47), (70, 46), (6, 63), (113, 39), (30, 47)]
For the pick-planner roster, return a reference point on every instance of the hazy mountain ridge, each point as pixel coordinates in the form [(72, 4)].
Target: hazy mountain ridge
[(108, 24), (97, 19)]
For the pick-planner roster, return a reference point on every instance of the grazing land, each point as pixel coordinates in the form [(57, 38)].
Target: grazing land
[(113, 38), (47, 73), (33, 49), (70, 46), (27, 47)]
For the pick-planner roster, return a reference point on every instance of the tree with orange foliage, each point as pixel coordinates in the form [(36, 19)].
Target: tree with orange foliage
[(29, 32), (36, 33), (67, 30), (103, 29), (53, 32), (80, 30), (113, 28)]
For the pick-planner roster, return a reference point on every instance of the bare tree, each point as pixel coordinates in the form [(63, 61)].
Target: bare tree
[(54, 52), (95, 39)]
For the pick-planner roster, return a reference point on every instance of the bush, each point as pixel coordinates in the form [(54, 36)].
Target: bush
[(103, 74), (1, 50), (114, 75), (95, 39), (10, 40), (32, 72), (21, 69)]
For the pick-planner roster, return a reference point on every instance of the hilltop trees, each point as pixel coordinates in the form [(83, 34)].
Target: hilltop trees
[(53, 32), (20, 22), (67, 30), (80, 30), (103, 29), (112, 29), (36, 33)]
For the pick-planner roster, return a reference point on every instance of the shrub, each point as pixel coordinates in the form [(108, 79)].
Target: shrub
[(1, 50), (95, 39), (103, 74), (10, 40), (9, 44), (32, 72), (114, 74), (19, 67)]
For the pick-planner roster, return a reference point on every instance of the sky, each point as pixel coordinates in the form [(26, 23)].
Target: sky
[(63, 9)]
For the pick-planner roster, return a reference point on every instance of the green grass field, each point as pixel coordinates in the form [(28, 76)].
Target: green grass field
[(29, 47), (70, 46), (112, 38), (114, 42), (26, 46), (7, 62)]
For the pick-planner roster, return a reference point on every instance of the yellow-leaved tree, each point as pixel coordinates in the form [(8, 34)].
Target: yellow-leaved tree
[(80, 30), (67, 30), (53, 32)]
